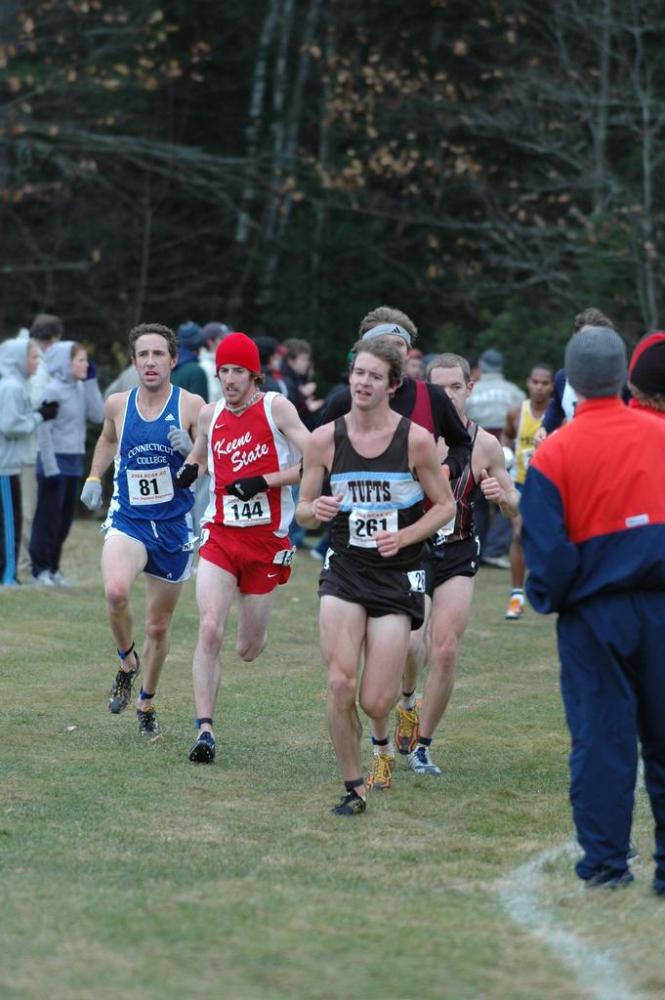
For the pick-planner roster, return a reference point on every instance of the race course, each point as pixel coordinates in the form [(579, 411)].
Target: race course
[(126, 871)]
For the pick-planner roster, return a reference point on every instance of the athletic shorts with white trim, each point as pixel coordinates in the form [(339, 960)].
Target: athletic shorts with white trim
[(452, 559), (259, 564), (379, 591), (168, 542)]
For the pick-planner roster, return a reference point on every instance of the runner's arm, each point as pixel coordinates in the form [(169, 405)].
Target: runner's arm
[(292, 427), (509, 433), (199, 453), (424, 460), (313, 509), (495, 482), (107, 442), (447, 424)]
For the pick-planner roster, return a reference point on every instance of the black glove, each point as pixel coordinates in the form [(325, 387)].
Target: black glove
[(247, 488), (49, 411), (186, 475)]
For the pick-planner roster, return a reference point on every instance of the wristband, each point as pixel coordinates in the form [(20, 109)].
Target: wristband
[(93, 479)]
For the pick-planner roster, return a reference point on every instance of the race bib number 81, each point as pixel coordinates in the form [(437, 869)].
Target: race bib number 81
[(153, 486), (364, 524), (246, 513)]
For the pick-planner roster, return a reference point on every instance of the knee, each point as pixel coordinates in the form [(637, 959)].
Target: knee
[(211, 633), (376, 706), (117, 595), (158, 629), (341, 689), (249, 648), (444, 653)]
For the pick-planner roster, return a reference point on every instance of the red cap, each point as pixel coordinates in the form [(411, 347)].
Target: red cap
[(238, 349)]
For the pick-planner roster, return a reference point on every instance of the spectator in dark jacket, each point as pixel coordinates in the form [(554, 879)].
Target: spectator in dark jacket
[(296, 372), (188, 373), (270, 361), (594, 539)]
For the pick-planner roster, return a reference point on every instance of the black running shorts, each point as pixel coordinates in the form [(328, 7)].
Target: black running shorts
[(379, 591), (452, 559)]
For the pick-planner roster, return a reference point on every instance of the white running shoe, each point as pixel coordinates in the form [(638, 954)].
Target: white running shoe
[(43, 579), (421, 762), (59, 580)]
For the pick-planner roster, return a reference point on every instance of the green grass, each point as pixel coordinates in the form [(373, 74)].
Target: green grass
[(125, 871)]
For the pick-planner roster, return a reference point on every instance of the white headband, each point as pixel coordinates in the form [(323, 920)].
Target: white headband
[(388, 330)]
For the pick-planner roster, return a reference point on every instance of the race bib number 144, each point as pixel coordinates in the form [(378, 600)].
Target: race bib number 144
[(246, 513)]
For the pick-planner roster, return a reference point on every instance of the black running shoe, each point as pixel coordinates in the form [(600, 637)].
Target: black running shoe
[(350, 805), (148, 722), (610, 878), (121, 692), (203, 751)]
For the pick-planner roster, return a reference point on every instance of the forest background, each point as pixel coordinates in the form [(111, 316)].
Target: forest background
[(285, 165)]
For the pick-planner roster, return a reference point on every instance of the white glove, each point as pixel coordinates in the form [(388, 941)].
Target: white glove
[(180, 440), (91, 494)]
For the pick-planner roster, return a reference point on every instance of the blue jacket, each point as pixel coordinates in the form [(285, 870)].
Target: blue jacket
[(593, 507)]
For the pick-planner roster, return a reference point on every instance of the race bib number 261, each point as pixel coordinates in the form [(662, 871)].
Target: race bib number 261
[(363, 525)]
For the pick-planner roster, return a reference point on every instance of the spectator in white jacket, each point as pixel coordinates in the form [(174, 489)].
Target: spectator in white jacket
[(18, 423), (61, 459)]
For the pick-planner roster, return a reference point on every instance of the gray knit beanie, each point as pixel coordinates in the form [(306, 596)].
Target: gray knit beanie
[(596, 362)]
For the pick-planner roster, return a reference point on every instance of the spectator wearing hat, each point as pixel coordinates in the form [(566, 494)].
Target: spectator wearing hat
[(594, 538), (212, 335), (188, 373), (492, 397), (646, 374), (561, 406)]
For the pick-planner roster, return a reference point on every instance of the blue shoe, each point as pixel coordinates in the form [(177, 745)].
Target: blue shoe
[(421, 762), (610, 878)]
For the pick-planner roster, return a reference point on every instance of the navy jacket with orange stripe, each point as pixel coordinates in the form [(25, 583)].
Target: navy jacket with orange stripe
[(594, 507)]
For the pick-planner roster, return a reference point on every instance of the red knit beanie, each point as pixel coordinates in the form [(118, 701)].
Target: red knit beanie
[(238, 349), (647, 365)]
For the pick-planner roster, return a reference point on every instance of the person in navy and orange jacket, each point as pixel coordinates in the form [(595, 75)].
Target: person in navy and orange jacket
[(594, 539)]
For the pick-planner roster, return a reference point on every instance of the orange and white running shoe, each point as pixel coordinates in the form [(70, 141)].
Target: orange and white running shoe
[(515, 608)]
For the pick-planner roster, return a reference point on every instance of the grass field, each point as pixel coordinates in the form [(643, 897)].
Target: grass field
[(126, 871)]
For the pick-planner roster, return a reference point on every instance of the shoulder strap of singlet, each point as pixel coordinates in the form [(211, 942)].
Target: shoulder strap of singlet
[(422, 409), (340, 430), (472, 429)]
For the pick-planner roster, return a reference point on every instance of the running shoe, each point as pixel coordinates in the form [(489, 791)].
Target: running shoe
[(148, 722), (350, 804), (59, 580), (121, 691), (421, 762), (380, 777), (406, 730), (515, 609), (203, 751)]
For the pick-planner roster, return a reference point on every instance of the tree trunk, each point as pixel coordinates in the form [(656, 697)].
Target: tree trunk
[(255, 120)]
